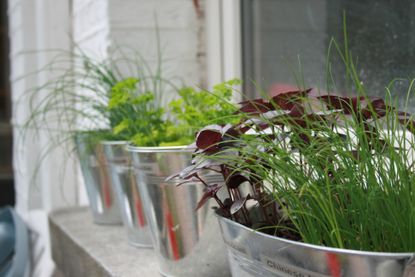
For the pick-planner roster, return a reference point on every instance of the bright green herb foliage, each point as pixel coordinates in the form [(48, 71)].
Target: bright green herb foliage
[(141, 120), (136, 114), (195, 109)]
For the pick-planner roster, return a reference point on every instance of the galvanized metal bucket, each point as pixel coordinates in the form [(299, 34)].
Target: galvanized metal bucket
[(254, 253), (94, 169), (187, 242), (129, 199)]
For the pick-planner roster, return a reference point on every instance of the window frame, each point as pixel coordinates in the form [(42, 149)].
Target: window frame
[(224, 41)]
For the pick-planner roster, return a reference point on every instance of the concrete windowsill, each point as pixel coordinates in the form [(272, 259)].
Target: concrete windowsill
[(82, 248)]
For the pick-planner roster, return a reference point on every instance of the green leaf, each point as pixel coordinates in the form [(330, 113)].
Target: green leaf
[(121, 126)]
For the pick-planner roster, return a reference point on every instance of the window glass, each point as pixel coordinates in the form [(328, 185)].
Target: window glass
[(280, 34)]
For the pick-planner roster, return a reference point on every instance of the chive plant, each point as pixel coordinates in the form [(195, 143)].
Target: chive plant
[(81, 88), (327, 170), (323, 169), (75, 99)]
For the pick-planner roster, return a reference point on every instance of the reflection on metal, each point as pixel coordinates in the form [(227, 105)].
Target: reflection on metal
[(257, 254), (126, 190), (187, 242), (98, 185)]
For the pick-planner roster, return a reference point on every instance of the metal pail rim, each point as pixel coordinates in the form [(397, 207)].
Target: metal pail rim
[(159, 149), (113, 142), (397, 255)]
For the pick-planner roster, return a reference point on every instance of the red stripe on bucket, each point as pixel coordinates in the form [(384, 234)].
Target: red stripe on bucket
[(107, 195), (334, 264), (172, 236), (139, 210)]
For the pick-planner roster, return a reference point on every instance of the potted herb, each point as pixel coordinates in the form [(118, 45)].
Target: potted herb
[(73, 104), (134, 107), (183, 240), (319, 185)]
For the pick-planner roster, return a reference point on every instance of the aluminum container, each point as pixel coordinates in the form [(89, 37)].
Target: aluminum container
[(187, 242), (254, 253), (94, 169), (129, 199)]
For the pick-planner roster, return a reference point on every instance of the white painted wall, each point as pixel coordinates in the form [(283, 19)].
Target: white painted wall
[(134, 23), (91, 27)]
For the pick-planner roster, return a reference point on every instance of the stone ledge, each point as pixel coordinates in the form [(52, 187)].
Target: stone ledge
[(82, 248)]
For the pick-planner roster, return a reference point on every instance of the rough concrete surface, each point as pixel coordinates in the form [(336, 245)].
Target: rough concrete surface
[(82, 248)]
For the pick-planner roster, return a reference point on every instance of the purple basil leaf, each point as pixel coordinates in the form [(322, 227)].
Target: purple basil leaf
[(287, 100), (226, 128), (380, 108), (188, 172), (175, 175), (403, 114), (348, 104), (378, 104), (227, 203), (191, 179), (408, 123), (296, 111), (208, 163), (273, 114), (238, 204), (209, 192), (256, 106), (229, 137), (208, 140), (231, 132), (235, 180)]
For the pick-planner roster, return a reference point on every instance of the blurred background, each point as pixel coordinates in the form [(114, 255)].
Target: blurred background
[(270, 44)]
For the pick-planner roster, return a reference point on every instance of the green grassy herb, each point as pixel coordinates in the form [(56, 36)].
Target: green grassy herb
[(327, 170)]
